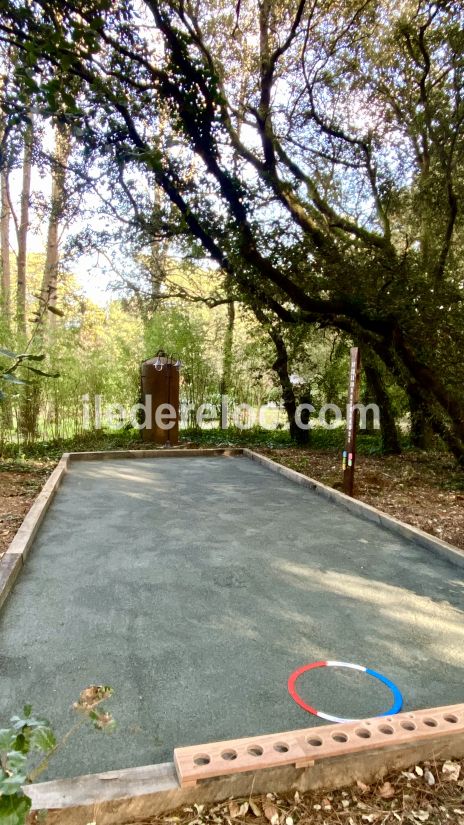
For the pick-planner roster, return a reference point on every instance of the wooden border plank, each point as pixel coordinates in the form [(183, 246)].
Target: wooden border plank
[(14, 557), (366, 511), (161, 452), (20, 546), (119, 797), (10, 568), (306, 746), (22, 541)]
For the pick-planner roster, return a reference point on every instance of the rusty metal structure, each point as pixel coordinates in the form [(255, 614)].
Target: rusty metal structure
[(159, 380)]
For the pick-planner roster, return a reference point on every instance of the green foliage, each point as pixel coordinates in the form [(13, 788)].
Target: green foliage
[(92, 351), (336, 205), (29, 738), (321, 439), (188, 333), (26, 737), (19, 361), (315, 159)]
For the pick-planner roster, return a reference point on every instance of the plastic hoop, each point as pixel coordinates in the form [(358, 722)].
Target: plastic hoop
[(395, 708)]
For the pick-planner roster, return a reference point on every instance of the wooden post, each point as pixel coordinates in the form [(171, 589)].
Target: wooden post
[(349, 453)]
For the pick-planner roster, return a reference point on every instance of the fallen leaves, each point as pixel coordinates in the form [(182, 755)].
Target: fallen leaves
[(237, 810), (234, 809), (271, 813), (387, 791), (427, 793), (451, 770), (19, 485), (421, 816), (429, 777)]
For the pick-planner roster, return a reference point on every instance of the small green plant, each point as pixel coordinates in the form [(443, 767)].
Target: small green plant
[(19, 361), (28, 745)]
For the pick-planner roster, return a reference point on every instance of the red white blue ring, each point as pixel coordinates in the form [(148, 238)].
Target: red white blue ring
[(395, 708)]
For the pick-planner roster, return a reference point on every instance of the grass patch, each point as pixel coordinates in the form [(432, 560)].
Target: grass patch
[(130, 439), (89, 441)]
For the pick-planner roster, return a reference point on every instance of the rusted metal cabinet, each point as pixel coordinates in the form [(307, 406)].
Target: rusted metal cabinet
[(160, 395)]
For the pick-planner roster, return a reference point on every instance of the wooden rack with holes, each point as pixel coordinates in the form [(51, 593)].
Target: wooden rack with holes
[(302, 748)]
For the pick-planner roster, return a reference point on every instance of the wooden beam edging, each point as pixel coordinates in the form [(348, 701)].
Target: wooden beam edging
[(15, 556), (121, 796), (360, 508), (13, 559), (161, 452), (305, 747)]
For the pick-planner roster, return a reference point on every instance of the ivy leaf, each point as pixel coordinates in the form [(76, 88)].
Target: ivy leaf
[(21, 743), (7, 738), (16, 760), (43, 739), (28, 722), (14, 809), (22, 356), (10, 785), (19, 723)]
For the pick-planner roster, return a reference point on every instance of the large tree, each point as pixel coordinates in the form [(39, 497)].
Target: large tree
[(314, 149)]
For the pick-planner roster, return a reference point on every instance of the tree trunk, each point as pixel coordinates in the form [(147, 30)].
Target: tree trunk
[(50, 276), (5, 212), (388, 429), (28, 412), (280, 366), (227, 353), (6, 410), (5, 249), (445, 411), (421, 431), (22, 230)]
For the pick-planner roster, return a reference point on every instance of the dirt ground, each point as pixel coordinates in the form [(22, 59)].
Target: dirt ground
[(425, 490), (19, 485), (432, 793)]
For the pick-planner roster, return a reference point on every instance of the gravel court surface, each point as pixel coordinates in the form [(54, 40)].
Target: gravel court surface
[(194, 587)]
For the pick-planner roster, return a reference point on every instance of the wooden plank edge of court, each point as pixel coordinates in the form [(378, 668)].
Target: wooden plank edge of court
[(23, 540), (309, 745), (360, 508), (157, 452), (120, 796), (155, 789), (12, 561), (15, 555)]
